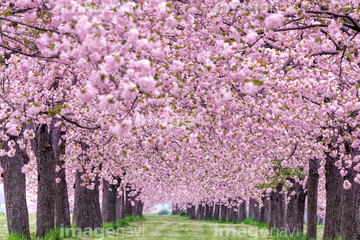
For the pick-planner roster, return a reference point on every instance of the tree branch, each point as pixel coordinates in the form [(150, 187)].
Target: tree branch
[(77, 124), (300, 27), (28, 25)]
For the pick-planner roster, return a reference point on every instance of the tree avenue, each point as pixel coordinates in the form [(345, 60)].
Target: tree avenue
[(109, 107)]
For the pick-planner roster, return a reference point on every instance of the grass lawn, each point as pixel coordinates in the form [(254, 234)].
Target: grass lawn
[(172, 227)]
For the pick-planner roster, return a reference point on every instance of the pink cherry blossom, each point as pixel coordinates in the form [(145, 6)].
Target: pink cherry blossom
[(347, 185), (274, 20), (147, 84), (87, 94)]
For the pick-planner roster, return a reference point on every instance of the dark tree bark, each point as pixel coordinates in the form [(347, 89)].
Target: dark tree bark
[(109, 201), (256, 211), (198, 211), (120, 205), (334, 193), (201, 210), (277, 219), (350, 204), (265, 211), (174, 209), (281, 214), (137, 208), (45, 215), (62, 208), (291, 213), (217, 211), (230, 214), (87, 206), (300, 207), (223, 212), (192, 213), (296, 208), (312, 185), (15, 191), (178, 210), (140, 208), (242, 211), (235, 213), (273, 210), (190, 209), (128, 199), (251, 207), (321, 220), (134, 207), (209, 211)]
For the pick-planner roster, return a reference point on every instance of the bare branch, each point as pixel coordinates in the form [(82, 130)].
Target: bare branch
[(300, 27), (28, 25), (77, 124), (355, 27)]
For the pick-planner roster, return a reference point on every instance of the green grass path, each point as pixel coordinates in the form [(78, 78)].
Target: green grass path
[(182, 228), (170, 227)]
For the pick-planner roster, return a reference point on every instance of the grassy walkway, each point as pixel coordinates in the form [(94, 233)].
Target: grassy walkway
[(174, 227), (183, 228)]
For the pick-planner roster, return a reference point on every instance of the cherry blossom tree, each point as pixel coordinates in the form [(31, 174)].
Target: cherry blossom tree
[(197, 102)]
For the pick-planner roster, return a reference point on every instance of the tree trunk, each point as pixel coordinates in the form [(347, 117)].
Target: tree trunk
[(256, 211), (291, 213), (265, 210), (174, 209), (334, 192), (177, 209), (243, 211), (135, 206), (120, 205), (128, 199), (235, 214), (230, 214), (198, 211), (109, 201), (251, 208), (320, 220), (350, 208), (277, 218), (280, 214), (87, 206), (217, 211), (272, 210), (201, 210), (62, 208), (15, 191), (192, 212), (300, 207), (312, 185), (45, 215), (209, 211), (140, 209), (295, 208), (223, 212)]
